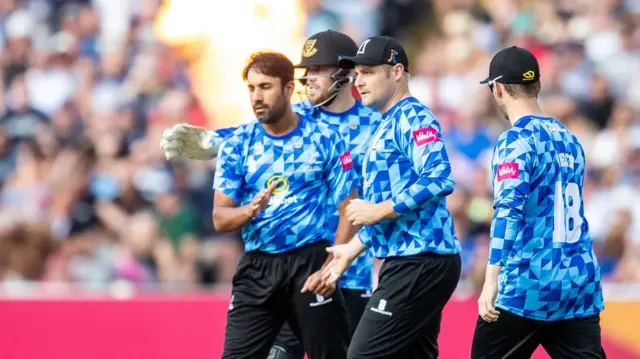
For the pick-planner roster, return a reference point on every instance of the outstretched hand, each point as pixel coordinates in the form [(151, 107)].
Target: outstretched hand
[(261, 200)]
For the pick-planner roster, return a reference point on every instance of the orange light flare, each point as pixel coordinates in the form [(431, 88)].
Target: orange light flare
[(222, 35)]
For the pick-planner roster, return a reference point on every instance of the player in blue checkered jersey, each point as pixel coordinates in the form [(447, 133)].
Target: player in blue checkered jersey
[(278, 179), (330, 101), (407, 176), (542, 284)]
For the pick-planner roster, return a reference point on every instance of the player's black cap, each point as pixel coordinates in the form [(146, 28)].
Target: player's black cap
[(377, 50), (325, 48), (513, 65)]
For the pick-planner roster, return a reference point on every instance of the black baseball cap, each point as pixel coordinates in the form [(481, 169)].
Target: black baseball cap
[(325, 49), (513, 65), (377, 50)]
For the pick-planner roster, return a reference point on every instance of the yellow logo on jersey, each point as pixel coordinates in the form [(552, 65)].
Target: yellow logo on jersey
[(283, 184), (309, 48), (528, 76)]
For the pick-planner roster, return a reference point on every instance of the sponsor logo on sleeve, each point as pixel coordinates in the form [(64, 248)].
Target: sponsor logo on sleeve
[(346, 161), (425, 135), (508, 170)]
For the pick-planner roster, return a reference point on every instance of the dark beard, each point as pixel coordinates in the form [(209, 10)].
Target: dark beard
[(274, 114)]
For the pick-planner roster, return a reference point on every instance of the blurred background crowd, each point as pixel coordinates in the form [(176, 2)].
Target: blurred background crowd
[(86, 196)]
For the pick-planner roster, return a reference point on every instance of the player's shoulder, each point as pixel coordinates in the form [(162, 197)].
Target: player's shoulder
[(302, 107), (239, 134), (410, 115), (364, 111), (411, 109), (313, 127)]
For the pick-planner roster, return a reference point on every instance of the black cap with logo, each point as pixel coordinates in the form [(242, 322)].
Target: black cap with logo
[(377, 50), (513, 65), (325, 49)]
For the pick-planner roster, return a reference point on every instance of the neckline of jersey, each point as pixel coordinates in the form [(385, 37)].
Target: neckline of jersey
[(533, 116), (291, 133), (352, 110)]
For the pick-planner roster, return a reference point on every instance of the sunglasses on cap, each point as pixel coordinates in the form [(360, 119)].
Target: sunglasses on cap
[(491, 82)]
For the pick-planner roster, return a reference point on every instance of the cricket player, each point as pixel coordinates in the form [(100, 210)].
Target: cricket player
[(542, 284), (407, 177), (330, 101), (278, 179)]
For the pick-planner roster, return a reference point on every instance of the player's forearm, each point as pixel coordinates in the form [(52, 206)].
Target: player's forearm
[(424, 190), (345, 230), (492, 273), (505, 227), (231, 219)]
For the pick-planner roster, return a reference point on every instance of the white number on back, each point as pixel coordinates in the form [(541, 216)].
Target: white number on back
[(567, 229)]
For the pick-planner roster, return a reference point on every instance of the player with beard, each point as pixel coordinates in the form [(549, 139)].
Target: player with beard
[(330, 101), (279, 179)]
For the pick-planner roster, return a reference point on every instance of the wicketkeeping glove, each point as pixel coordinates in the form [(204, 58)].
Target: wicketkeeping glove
[(184, 140)]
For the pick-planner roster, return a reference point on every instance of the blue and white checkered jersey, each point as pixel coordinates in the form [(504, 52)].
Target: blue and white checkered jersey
[(407, 163), (539, 234), (312, 167), (356, 126)]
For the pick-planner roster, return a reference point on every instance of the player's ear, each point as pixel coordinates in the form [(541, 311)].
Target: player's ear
[(289, 88), (398, 71)]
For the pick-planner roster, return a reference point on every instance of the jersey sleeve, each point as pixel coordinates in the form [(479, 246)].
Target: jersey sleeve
[(339, 170), (229, 179), (225, 133), (420, 139), (511, 165)]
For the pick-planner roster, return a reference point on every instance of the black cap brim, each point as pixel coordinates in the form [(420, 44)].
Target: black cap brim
[(349, 62)]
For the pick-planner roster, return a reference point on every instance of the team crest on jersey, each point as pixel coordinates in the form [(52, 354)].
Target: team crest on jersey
[(425, 135), (353, 124), (346, 161), (508, 170), (298, 143)]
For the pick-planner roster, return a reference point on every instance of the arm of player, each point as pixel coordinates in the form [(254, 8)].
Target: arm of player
[(420, 139), (228, 215), (512, 165), (341, 256)]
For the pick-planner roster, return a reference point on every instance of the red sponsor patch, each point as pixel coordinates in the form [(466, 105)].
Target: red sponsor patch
[(346, 160), (425, 135), (508, 170)]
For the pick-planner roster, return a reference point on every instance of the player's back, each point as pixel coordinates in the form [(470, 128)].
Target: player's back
[(552, 272)]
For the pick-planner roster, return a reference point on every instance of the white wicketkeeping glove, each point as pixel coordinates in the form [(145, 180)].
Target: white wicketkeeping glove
[(184, 140)]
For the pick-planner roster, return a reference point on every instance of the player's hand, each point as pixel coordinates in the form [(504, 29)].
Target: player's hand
[(486, 302), (340, 261), (184, 140), (361, 212), (315, 284), (261, 200)]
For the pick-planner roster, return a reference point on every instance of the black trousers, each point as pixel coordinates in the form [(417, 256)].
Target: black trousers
[(516, 337), (266, 294), (402, 319), (355, 301)]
